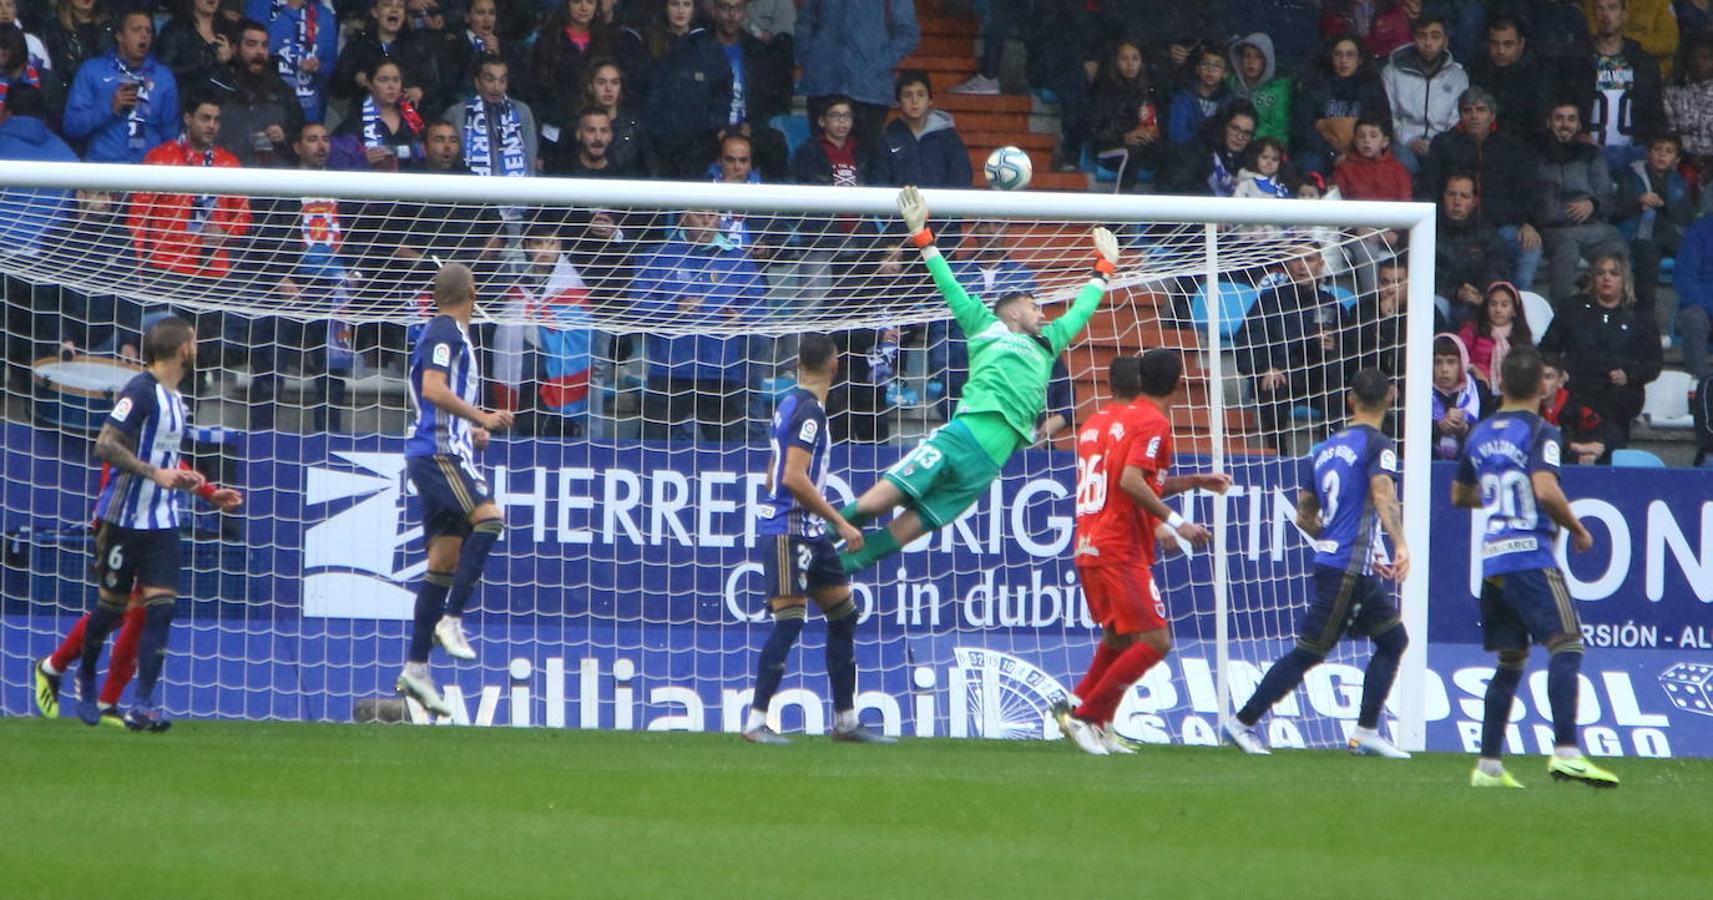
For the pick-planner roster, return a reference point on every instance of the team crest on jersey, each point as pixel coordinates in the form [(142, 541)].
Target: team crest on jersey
[(443, 354), (1549, 453), (1117, 431), (122, 409), (807, 433)]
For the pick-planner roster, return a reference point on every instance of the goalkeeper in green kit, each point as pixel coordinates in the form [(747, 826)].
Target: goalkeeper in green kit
[(1011, 354)]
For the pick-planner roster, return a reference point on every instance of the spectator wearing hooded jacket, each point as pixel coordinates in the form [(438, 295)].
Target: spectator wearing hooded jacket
[(1423, 83), (1654, 207), (1693, 279), (1291, 23), (1326, 105), (1255, 77), (923, 145), (126, 102), (1459, 399), (1504, 166), (850, 48), (1611, 351), (1574, 200)]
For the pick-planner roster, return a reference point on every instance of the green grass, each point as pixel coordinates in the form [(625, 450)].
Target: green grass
[(275, 810)]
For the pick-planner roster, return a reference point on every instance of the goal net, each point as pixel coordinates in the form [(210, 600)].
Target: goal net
[(643, 333)]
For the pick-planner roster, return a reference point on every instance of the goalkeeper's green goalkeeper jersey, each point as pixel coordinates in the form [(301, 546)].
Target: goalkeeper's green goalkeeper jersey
[(1008, 369)]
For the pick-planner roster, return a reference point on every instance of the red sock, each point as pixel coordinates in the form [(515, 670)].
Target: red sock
[(1129, 668), (123, 663), (71, 649), (1104, 654)]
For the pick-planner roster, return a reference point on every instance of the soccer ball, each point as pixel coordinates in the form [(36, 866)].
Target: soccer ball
[(1008, 169)]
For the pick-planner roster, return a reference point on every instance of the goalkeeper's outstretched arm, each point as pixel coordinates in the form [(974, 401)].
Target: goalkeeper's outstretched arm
[(972, 315), (1060, 332)]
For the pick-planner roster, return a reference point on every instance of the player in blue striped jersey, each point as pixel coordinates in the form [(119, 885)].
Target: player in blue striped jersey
[(460, 520), (1351, 498), (1509, 471), (137, 517), (798, 557)]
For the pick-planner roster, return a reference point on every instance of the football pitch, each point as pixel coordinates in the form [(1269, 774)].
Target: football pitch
[(286, 810)]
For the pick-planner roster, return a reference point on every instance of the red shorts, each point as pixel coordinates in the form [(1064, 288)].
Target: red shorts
[(1123, 598)]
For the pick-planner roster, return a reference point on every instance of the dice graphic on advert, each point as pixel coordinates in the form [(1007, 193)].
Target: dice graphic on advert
[(1689, 687)]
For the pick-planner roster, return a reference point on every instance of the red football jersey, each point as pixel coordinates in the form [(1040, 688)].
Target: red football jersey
[(1111, 528)]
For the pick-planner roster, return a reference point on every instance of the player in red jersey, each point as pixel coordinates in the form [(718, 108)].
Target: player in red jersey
[(1123, 453), (122, 664)]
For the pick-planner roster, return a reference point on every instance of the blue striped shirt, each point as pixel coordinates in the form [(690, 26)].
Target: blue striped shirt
[(444, 347), (153, 416), (798, 422)]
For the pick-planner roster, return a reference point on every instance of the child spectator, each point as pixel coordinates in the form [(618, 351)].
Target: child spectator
[(923, 144), (1654, 208), (1586, 435), (1255, 77), (1497, 328), (1124, 121), (1261, 174), (1372, 172), (1459, 401), (1205, 97)]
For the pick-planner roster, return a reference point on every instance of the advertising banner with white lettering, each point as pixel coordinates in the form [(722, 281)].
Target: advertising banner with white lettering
[(626, 594)]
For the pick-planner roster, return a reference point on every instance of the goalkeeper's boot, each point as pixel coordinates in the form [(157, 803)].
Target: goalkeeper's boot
[(1578, 768), (1375, 745), (1114, 744), (111, 717), (861, 734), (449, 633), (421, 687), (1061, 711), (766, 735), (1480, 779), (1244, 737), (147, 718), (47, 691)]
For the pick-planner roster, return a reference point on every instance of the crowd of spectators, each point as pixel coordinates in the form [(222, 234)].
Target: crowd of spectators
[(1560, 137)]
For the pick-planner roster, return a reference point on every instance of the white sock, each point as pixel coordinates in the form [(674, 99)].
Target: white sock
[(448, 617), (1490, 766), (1567, 752), (416, 669), (1363, 734), (48, 667), (845, 720), (757, 719)]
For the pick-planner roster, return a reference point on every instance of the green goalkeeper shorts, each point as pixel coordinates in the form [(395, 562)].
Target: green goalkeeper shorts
[(945, 475)]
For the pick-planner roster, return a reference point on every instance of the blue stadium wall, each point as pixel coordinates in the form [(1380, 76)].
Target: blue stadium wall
[(626, 594)]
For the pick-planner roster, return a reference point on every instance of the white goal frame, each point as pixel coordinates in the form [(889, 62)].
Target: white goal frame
[(1417, 220)]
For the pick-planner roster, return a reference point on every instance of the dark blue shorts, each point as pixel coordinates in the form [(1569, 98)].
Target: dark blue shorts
[(449, 492), (1345, 602), (1520, 607), (126, 558), (798, 566)]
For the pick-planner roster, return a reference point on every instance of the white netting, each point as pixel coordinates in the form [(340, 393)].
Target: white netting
[(643, 344)]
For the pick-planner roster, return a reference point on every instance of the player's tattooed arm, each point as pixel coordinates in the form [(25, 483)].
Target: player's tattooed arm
[(114, 448), (1383, 494), (1308, 513)]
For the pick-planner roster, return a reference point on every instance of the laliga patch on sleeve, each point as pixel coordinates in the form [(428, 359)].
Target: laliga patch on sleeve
[(442, 355), (1549, 453), (122, 409), (810, 429), (1154, 448), (1388, 461)]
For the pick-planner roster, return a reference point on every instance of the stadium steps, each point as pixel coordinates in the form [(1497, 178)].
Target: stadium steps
[(947, 52)]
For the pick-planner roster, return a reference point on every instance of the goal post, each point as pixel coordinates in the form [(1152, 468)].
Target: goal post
[(625, 593)]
